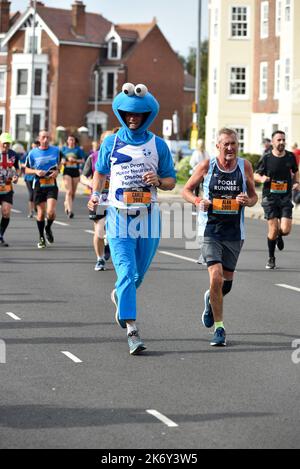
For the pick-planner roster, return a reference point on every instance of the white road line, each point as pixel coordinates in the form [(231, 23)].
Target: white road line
[(72, 357), (14, 316), (89, 231), (61, 223), (178, 257), (289, 287), (15, 211), (166, 212), (162, 418)]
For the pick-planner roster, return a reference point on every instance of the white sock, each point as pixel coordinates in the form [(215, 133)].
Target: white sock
[(131, 328)]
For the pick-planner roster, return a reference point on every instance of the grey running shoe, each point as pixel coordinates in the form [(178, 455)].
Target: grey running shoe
[(135, 343), (100, 265), (114, 299), (271, 263), (219, 338), (280, 243), (42, 243), (207, 315)]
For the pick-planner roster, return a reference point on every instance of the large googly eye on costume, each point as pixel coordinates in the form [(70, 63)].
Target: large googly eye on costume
[(141, 90), (128, 89)]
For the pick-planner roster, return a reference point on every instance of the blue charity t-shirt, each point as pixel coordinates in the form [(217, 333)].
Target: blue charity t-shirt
[(44, 160), (76, 153)]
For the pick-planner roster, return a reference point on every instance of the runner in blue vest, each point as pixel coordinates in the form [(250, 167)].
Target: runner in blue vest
[(227, 188), (138, 162)]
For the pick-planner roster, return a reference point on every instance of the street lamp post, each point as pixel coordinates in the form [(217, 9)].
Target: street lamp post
[(198, 66), (32, 76)]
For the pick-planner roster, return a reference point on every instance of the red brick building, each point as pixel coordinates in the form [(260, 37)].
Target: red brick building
[(80, 62)]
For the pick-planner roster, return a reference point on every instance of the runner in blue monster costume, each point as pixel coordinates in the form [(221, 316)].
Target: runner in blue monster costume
[(138, 162)]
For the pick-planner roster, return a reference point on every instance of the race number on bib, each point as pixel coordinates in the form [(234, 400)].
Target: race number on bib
[(137, 196), (5, 188), (226, 206), (279, 187), (47, 182)]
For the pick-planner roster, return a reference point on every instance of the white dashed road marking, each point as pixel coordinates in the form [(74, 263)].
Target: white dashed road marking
[(15, 211), (61, 223), (162, 418), (178, 257), (289, 287), (89, 231), (72, 357), (14, 316)]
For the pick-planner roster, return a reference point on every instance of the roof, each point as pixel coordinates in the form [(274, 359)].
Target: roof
[(60, 23), (139, 29), (189, 81)]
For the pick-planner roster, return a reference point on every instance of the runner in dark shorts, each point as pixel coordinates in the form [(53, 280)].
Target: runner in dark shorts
[(73, 157), (44, 164), (278, 171)]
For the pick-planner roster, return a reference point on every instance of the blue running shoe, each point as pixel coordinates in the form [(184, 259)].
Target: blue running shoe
[(219, 338), (114, 299), (207, 316), (135, 343)]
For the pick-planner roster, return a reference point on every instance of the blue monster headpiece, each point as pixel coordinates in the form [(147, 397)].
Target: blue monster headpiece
[(135, 99)]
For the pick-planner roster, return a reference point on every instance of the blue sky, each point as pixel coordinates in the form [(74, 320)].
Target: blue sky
[(176, 18)]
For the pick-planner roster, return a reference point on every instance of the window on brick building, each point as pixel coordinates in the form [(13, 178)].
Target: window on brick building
[(239, 22), (263, 81), (114, 51), (1, 123), (36, 125), (241, 137), (216, 23), (264, 20), (277, 79), (278, 17), (22, 82), (38, 73), (238, 82), (287, 10), (287, 75), (21, 127), (215, 82)]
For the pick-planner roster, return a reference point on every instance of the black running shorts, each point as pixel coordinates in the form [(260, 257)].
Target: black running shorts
[(42, 195), (277, 207), (72, 172), (7, 198)]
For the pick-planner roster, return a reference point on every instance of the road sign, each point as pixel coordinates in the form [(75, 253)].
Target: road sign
[(167, 127)]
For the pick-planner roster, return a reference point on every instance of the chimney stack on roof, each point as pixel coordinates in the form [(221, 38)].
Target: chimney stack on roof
[(78, 18), (4, 16)]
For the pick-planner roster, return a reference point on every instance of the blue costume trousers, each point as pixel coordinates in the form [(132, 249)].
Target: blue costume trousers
[(133, 242)]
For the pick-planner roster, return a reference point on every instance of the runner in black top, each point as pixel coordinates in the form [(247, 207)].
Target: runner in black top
[(73, 156), (278, 171)]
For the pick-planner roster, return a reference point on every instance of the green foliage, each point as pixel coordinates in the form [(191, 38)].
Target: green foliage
[(183, 170), (253, 158)]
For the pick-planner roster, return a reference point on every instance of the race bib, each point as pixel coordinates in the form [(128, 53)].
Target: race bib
[(47, 182), (137, 196), (279, 187), (106, 186), (5, 188), (226, 206), (71, 164)]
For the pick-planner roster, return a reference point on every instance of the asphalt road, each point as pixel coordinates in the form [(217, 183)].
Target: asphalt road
[(243, 396)]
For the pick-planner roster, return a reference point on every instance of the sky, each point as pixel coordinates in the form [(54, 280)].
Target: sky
[(176, 18)]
